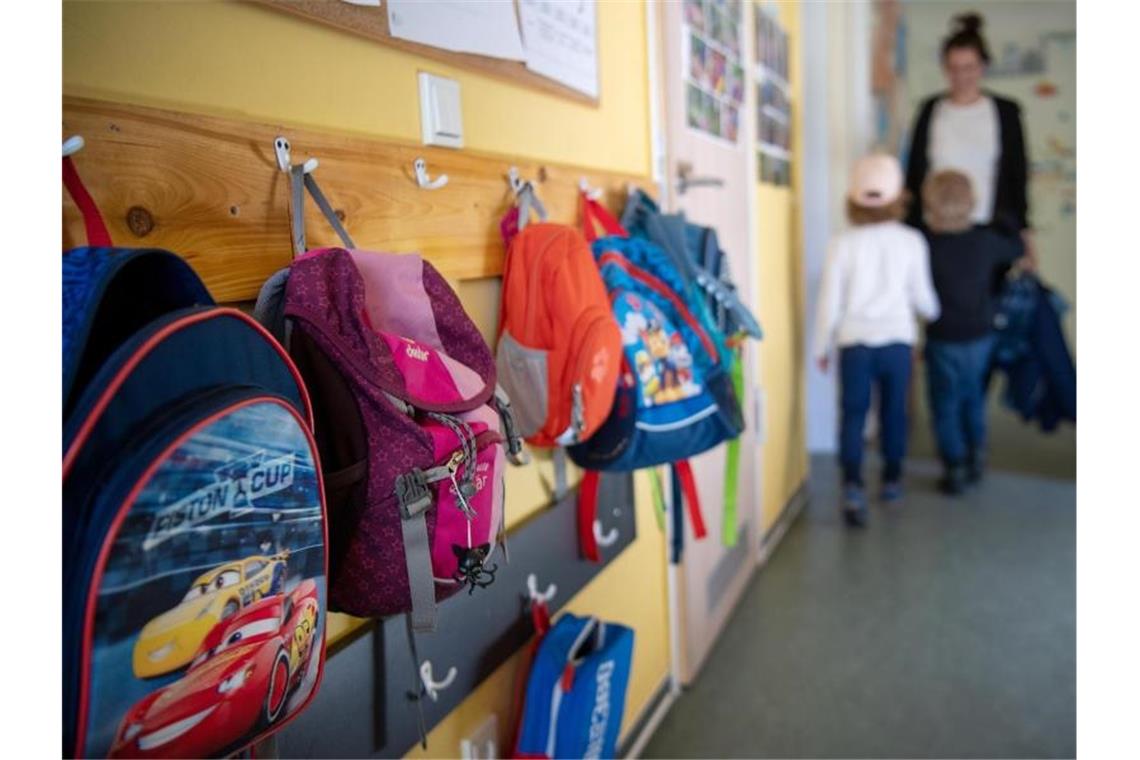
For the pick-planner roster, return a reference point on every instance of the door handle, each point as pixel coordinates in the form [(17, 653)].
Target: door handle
[(686, 180)]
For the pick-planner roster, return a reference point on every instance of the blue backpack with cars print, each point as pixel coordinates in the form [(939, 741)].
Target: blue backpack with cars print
[(194, 561)]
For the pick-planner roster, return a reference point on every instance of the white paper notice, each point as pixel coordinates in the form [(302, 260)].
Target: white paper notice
[(483, 27), (561, 38)]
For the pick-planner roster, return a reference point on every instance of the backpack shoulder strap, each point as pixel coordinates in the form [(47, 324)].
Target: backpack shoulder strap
[(299, 181), (595, 214), (97, 234)]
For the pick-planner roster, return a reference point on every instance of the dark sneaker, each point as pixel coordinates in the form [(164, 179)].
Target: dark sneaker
[(892, 492), (953, 481), (854, 506), (975, 470)]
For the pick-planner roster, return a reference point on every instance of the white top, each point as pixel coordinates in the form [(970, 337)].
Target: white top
[(875, 281), (967, 138)]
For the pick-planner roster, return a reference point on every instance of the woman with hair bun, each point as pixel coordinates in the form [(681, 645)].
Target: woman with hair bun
[(974, 131)]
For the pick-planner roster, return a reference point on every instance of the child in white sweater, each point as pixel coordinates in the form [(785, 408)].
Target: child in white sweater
[(875, 283)]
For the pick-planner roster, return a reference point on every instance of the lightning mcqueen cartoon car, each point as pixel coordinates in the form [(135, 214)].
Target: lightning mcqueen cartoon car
[(169, 641), (237, 684)]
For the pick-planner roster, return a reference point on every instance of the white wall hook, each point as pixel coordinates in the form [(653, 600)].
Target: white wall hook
[(281, 149), (604, 539), (72, 145), (432, 687), (422, 178), (532, 589), (593, 193)]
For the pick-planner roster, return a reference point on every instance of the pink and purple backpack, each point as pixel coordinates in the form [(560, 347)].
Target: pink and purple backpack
[(408, 425)]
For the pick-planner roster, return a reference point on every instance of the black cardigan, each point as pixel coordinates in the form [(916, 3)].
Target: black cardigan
[(1011, 208)]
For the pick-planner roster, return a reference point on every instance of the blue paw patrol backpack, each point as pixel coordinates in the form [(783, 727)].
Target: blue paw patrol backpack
[(193, 513), (575, 692), (675, 395)]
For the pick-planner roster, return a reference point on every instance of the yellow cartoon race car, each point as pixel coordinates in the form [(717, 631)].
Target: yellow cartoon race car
[(169, 641)]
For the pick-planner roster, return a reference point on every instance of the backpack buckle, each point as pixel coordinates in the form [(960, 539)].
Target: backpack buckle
[(413, 493)]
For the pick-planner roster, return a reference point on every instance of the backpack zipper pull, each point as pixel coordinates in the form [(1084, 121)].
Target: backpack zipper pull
[(461, 497)]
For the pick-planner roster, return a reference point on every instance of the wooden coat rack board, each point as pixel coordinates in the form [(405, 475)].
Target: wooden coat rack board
[(209, 189)]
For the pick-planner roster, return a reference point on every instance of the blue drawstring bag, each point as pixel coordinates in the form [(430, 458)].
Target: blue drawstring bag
[(575, 694)]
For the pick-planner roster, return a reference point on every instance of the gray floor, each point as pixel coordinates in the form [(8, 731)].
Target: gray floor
[(945, 629)]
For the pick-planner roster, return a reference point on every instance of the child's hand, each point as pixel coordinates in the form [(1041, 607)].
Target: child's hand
[(823, 363)]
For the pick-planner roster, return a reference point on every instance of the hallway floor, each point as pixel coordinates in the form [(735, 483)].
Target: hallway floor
[(947, 628)]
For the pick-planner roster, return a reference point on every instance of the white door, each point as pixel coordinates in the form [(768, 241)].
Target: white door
[(703, 78)]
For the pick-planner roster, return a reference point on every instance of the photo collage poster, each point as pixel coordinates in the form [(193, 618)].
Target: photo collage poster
[(714, 71), (773, 101)]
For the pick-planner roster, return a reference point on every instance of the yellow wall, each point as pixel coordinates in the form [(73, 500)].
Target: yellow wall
[(238, 59), (781, 296)]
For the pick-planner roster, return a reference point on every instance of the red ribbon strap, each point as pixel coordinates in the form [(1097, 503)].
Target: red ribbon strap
[(594, 213), (587, 514), (689, 485), (97, 234)]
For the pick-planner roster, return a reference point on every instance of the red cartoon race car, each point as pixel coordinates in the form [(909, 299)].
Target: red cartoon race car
[(237, 684)]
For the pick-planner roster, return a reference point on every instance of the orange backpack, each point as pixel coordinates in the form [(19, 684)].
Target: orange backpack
[(559, 347)]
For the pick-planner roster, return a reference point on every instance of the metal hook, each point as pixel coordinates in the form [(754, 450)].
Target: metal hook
[(72, 145), (604, 539), (514, 181), (591, 193), (281, 149), (532, 589), (422, 178), (432, 687)]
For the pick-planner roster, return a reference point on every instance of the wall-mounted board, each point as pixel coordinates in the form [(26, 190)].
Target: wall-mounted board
[(209, 189), (372, 22)]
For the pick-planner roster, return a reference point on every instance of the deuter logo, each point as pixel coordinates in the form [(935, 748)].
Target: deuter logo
[(600, 715), (417, 353)]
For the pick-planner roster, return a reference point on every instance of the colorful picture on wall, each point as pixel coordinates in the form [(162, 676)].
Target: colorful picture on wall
[(713, 70), (717, 73), (773, 99), (698, 59), (696, 117), (730, 123), (735, 86), (695, 14)]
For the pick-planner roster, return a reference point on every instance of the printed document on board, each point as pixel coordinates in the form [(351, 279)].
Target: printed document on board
[(483, 27), (561, 40)]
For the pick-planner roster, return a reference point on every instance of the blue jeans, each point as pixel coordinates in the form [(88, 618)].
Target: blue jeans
[(955, 380), (860, 368)]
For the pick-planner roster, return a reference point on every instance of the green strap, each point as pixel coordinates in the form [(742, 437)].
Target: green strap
[(658, 498), (729, 529)]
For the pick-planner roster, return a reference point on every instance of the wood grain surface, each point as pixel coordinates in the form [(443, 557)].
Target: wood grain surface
[(208, 188)]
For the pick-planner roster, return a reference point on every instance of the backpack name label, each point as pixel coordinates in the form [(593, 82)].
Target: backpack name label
[(238, 485), (600, 715)]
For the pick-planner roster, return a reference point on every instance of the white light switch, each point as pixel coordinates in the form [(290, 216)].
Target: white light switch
[(441, 117)]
